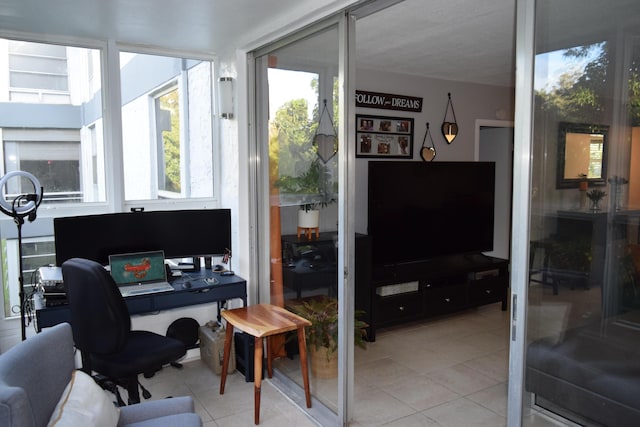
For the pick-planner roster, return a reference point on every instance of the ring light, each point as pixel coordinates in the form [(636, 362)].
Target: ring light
[(18, 213), (8, 207)]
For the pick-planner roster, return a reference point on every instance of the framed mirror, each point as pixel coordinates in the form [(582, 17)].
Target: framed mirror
[(582, 155)]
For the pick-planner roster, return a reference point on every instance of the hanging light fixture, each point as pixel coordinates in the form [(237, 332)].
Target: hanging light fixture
[(449, 128), (428, 153), (326, 143)]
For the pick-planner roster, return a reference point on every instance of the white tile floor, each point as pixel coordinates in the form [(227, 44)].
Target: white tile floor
[(447, 372)]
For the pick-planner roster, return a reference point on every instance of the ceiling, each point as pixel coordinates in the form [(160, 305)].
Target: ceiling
[(459, 40), (462, 40)]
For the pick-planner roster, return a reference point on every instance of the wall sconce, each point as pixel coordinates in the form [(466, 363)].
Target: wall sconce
[(449, 128), (225, 97), (427, 153)]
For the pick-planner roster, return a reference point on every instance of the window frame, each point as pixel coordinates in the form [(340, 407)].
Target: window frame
[(171, 202), (111, 129)]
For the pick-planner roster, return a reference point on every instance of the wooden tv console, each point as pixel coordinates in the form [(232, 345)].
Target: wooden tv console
[(393, 295), (414, 291)]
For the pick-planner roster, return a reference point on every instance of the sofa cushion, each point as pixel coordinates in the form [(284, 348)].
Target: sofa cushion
[(33, 375), (594, 371), (84, 403)]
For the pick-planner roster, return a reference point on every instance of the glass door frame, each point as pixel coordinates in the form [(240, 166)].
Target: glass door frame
[(259, 203), (523, 128), (619, 40)]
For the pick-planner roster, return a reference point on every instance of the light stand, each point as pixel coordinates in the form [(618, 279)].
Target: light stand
[(24, 205)]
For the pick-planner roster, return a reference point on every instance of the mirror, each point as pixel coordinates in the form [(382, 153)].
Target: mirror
[(582, 150)]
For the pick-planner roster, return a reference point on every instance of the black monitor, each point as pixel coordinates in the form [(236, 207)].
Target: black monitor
[(180, 233)]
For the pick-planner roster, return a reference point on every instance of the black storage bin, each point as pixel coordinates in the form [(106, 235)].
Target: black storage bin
[(245, 345)]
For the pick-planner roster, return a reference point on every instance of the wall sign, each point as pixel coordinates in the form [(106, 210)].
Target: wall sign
[(387, 101)]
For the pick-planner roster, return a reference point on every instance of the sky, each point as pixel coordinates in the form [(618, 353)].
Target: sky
[(550, 66), (286, 85)]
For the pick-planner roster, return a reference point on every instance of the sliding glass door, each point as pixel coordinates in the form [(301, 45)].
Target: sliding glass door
[(580, 295), (301, 192)]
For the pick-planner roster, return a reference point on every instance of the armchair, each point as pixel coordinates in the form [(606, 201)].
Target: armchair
[(34, 376), (102, 332)]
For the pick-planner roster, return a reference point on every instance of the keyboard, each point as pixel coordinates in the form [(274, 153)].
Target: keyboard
[(147, 288)]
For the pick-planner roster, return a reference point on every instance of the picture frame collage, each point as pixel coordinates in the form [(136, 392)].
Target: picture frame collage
[(384, 137)]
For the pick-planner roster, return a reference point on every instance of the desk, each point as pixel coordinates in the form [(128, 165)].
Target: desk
[(228, 287)]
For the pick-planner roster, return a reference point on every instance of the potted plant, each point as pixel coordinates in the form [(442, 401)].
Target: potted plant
[(311, 190), (595, 196), (584, 183), (322, 335)]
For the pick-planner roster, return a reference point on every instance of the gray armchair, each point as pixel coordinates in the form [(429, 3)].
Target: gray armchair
[(35, 373)]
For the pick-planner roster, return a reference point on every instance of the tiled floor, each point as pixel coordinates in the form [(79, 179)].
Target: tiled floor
[(448, 372)]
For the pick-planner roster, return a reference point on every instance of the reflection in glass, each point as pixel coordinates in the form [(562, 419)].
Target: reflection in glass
[(303, 220), (582, 155), (583, 325)]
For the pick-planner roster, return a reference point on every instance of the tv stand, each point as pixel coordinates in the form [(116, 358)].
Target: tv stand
[(413, 291)]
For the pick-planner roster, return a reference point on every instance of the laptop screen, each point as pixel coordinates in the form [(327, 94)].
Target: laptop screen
[(138, 268)]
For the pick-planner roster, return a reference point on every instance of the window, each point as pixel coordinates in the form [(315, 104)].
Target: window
[(52, 105), (167, 127), (36, 252), (53, 108), (37, 72), (596, 147), (168, 135), (53, 156)]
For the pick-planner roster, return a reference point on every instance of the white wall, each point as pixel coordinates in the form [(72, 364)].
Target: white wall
[(470, 102), (496, 145)]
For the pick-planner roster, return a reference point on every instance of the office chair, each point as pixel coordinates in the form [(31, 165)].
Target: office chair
[(102, 332)]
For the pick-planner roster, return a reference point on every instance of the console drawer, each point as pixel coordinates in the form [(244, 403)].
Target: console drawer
[(487, 290), (447, 299), (399, 307)]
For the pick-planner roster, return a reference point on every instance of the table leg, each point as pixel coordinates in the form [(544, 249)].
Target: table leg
[(257, 378), (225, 358), (269, 356), (302, 348)]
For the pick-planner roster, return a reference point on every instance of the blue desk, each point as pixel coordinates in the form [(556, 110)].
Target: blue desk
[(200, 292)]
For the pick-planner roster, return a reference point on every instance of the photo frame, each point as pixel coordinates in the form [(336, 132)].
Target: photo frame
[(382, 136)]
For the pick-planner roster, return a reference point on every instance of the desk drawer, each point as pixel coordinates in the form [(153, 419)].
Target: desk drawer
[(139, 304)]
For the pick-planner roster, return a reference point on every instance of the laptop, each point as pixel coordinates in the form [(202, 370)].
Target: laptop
[(139, 273)]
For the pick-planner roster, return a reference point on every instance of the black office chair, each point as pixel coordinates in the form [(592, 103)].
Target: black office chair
[(102, 330)]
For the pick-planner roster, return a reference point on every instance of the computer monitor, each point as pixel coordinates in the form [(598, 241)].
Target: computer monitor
[(179, 233)]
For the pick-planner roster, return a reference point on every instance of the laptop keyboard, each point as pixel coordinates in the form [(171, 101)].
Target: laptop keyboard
[(148, 288)]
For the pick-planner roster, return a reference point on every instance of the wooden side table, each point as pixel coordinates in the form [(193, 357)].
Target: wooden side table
[(260, 321)]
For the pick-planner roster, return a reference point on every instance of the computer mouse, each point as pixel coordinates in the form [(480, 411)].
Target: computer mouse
[(186, 285), (218, 267)]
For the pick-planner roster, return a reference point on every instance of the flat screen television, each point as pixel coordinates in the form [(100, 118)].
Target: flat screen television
[(418, 211), (180, 233)]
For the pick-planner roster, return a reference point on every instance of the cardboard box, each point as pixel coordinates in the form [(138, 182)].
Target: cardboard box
[(212, 349)]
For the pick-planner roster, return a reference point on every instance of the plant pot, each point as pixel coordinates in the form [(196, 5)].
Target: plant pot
[(323, 367), (595, 205), (308, 219)]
